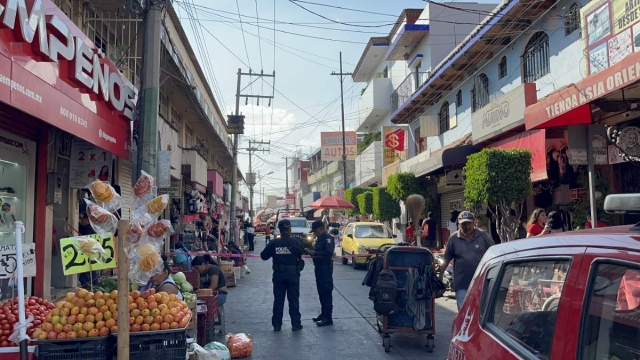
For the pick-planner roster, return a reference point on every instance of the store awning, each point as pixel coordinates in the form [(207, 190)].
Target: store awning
[(570, 105), (534, 141), (453, 154)]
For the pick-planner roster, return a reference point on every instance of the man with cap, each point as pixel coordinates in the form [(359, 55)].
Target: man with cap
[(466, 247), (287, 264), (322, 253)]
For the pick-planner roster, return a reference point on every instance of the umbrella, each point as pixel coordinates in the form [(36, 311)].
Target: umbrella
[(332, 202)]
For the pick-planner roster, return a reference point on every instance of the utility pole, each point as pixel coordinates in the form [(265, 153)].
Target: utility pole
[(251, 177), (149, 102), (344, 144), (286, 185), (236, 127)]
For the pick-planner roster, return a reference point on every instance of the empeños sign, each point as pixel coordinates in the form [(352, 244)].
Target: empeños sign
[(54, 41)]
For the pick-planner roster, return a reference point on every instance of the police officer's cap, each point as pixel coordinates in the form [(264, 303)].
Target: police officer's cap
[(284, 224)]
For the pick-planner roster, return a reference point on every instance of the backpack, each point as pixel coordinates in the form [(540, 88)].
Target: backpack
[(385, 293)]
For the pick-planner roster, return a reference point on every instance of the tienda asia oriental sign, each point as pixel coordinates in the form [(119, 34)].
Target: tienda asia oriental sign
[(331, 145), (54, 41)]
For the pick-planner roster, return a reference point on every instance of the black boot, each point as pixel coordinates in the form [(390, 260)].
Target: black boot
[(325, 322), (296, 327), (318, 318)]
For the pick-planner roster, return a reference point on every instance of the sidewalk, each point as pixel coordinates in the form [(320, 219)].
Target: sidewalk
[(353, 335)]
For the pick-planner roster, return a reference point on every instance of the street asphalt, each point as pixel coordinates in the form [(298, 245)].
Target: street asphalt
[(353, 335)]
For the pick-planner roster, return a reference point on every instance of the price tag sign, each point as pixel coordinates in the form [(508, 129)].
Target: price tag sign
[(75, 262), (8, 260)]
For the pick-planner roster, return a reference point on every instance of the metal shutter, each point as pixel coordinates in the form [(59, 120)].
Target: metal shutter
[(448, 200), (125, 170)]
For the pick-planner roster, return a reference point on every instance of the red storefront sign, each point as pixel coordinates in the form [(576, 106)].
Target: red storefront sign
[(578, 193), (51, 70)]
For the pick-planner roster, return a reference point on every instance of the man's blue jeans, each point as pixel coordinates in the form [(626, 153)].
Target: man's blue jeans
[(460, 295)]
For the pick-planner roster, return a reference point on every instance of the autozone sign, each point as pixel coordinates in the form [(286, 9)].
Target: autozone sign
[(53, 40)]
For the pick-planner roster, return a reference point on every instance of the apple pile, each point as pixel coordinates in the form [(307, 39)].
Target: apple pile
[(34, 306), (85, 314)]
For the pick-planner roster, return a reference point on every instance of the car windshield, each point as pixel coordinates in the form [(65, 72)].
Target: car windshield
[(298, 223), (372, 231)]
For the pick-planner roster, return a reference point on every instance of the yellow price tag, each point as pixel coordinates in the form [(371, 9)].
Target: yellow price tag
[(75, 262)]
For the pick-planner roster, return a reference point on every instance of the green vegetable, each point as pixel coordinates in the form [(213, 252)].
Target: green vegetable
[(179, 278), (186, 287)]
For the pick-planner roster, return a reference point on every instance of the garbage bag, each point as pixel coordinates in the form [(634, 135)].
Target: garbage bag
[(211, 351), (239, 345), (246, 269)]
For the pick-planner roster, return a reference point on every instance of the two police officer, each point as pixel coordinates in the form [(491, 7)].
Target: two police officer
[(322, 253), (286, 253)]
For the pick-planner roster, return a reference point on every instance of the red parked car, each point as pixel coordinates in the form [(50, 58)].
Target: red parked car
[(573, 295)]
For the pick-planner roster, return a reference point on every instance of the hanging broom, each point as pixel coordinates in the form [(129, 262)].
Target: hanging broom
[(415, 207)]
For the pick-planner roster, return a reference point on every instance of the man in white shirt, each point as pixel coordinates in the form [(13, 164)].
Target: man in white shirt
[(250, 236)]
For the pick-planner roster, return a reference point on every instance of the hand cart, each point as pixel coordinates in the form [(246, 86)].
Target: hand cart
[(399, 259)]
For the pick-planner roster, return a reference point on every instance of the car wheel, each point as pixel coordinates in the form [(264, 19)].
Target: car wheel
[(345, 260), (354, 264)]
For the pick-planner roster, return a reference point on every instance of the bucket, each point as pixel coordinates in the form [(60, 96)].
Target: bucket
[(242, 272), (237, 274)]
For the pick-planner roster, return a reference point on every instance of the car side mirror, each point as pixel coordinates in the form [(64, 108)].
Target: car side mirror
[(349, 235)]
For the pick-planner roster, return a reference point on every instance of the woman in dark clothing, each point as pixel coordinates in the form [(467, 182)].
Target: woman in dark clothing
[(211, 276), (235, 250)]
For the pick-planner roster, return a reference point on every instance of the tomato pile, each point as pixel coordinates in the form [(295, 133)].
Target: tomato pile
[(35, 306)]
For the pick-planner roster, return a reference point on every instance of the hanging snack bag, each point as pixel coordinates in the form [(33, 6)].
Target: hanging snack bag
[(145, 262), (134, 232), (105, 196), (144, 186), (160, 229), (157, 205), (102, 221), (90, 247)]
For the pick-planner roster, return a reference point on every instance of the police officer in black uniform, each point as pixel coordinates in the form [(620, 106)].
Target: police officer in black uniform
[(287, 264), (322, 253)]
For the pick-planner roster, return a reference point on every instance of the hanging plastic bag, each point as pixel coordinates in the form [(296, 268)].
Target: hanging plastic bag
[(144, 186), (134, 232), (90, 247), (160, 229), (105, 195), (102, 221), (239, 345), (146, 261), (152, 208)]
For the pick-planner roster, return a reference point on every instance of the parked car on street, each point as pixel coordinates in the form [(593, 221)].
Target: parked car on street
[(361, 238), (570, 295)]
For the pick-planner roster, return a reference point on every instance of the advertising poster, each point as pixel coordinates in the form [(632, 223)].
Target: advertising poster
[(611, 31), (331, 145), (394, 144), (88, 163)]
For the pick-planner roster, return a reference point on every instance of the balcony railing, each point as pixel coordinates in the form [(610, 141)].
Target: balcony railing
[(408, 86)]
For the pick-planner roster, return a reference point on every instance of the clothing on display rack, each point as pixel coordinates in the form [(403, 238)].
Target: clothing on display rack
[(416, 303)]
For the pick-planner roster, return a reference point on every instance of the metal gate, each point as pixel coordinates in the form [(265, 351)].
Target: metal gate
[(452, 200)]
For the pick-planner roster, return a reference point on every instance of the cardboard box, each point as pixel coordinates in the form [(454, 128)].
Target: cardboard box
[(227, 268), (230, 279)]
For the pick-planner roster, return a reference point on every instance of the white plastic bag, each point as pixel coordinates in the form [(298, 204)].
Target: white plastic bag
[(246, 270), (199, 353)]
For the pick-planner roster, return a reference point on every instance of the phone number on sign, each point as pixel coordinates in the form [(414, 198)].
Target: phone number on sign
[(73, 117)]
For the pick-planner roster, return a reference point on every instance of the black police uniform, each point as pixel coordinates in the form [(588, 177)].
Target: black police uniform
[(323, 251), (287, 255)]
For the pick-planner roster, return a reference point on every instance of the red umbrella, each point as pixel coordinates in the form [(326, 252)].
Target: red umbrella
[(332, 202)]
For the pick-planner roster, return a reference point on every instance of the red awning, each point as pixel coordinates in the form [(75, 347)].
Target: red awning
[(570, 106), (534, 141)]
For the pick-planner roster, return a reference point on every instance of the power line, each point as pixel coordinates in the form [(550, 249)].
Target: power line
[(243, 38), (344, 8), (259, 41), (334, 21)]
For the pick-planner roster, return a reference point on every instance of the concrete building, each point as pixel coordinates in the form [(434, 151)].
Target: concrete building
[(477, 95), (394, 66)]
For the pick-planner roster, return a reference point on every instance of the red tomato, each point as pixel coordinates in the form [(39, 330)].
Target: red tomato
[(4, 344)]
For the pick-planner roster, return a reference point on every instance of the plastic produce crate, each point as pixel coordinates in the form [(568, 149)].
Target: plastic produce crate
[(164, 344), (193, 278), (212, 306), (102, 348)]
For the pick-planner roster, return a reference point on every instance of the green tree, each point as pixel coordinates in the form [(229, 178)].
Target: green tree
[(367, 140), (351, 195), (403, 184), (365, 203), (503, 179), (385, 207)]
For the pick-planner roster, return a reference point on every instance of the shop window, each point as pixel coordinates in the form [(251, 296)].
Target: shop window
[(443, 116), (502, 67), (459, 98), (164, 105), (523, 312), (572, 19), (419, 141), (535, 60), (480, 92), (610, 326)]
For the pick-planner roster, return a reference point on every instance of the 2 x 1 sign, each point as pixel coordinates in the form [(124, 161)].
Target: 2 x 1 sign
[(76, 262), (331, 145), (8, 260)]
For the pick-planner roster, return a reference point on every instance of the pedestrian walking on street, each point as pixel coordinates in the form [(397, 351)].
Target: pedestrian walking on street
[(465, 247), (322, 253), (287, 264), (429, 231)]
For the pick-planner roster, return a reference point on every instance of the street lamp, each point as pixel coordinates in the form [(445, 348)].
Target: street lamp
[(260, 186)]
